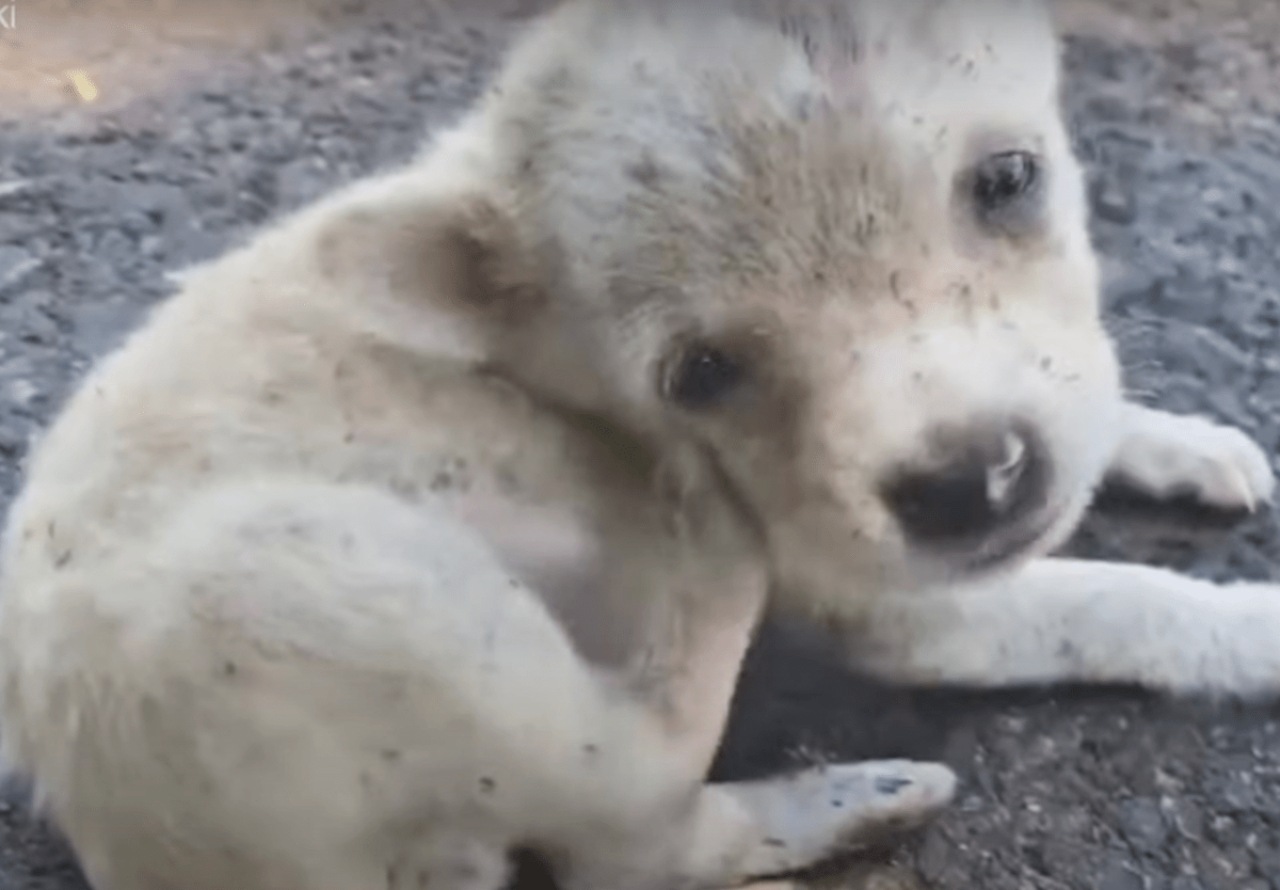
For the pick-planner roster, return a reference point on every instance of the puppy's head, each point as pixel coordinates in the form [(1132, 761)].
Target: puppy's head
[(842, 245)]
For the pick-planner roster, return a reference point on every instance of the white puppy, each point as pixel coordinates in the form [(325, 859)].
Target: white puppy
[(433, 524)]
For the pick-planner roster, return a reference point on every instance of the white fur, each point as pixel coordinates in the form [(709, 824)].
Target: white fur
[(379, 552), (1163, 454), (1067, 620)]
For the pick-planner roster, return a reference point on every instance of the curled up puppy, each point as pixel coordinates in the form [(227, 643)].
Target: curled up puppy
[(433, 523)]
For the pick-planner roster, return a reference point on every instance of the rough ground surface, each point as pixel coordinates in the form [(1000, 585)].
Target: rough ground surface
[(1174, 106)]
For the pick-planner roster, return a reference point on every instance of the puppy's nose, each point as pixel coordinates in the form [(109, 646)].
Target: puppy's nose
[(986, 479)]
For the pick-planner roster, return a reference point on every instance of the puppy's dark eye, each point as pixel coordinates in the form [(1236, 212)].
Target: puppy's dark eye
[(703, 376), (1005, 178)]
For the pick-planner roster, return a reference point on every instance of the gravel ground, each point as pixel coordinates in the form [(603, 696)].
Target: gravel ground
[(1174, 108)]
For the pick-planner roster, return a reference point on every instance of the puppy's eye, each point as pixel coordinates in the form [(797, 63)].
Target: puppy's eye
[(703, 376), (1004, 179)]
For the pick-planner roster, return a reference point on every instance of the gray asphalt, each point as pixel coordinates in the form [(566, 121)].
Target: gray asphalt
[(1080, 789)]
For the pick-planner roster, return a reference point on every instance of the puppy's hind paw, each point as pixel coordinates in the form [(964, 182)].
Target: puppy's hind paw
[(884, 798), (826, 812), (1166, 456)]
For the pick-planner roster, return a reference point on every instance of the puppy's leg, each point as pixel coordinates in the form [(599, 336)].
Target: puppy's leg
[(1165, 455), (1065, 620), (754, 832), (793, 822)]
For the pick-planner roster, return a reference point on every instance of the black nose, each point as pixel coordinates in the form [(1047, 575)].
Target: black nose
[(981, 480)]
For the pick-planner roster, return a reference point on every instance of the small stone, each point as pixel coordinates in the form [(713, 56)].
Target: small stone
[(1121, 876), (1113, 202), (16, 263), (1237, 792), (22, 392), (1143, 823), (14, 187)]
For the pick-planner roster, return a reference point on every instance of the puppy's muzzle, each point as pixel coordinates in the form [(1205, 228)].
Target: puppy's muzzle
[(984, 492)]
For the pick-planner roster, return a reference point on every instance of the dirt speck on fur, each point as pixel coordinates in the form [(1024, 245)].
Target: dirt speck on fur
[(213, 118)]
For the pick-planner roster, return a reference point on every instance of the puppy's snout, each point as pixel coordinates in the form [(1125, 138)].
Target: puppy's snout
[(981, 481)]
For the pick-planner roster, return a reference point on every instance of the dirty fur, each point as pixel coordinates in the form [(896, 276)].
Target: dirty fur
[(433, 524)]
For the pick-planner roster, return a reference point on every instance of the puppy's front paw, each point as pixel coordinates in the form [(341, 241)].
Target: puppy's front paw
[(1166, 455)]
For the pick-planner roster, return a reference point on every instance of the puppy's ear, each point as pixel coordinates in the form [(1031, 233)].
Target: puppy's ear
[(458, 250), (495, 272)]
